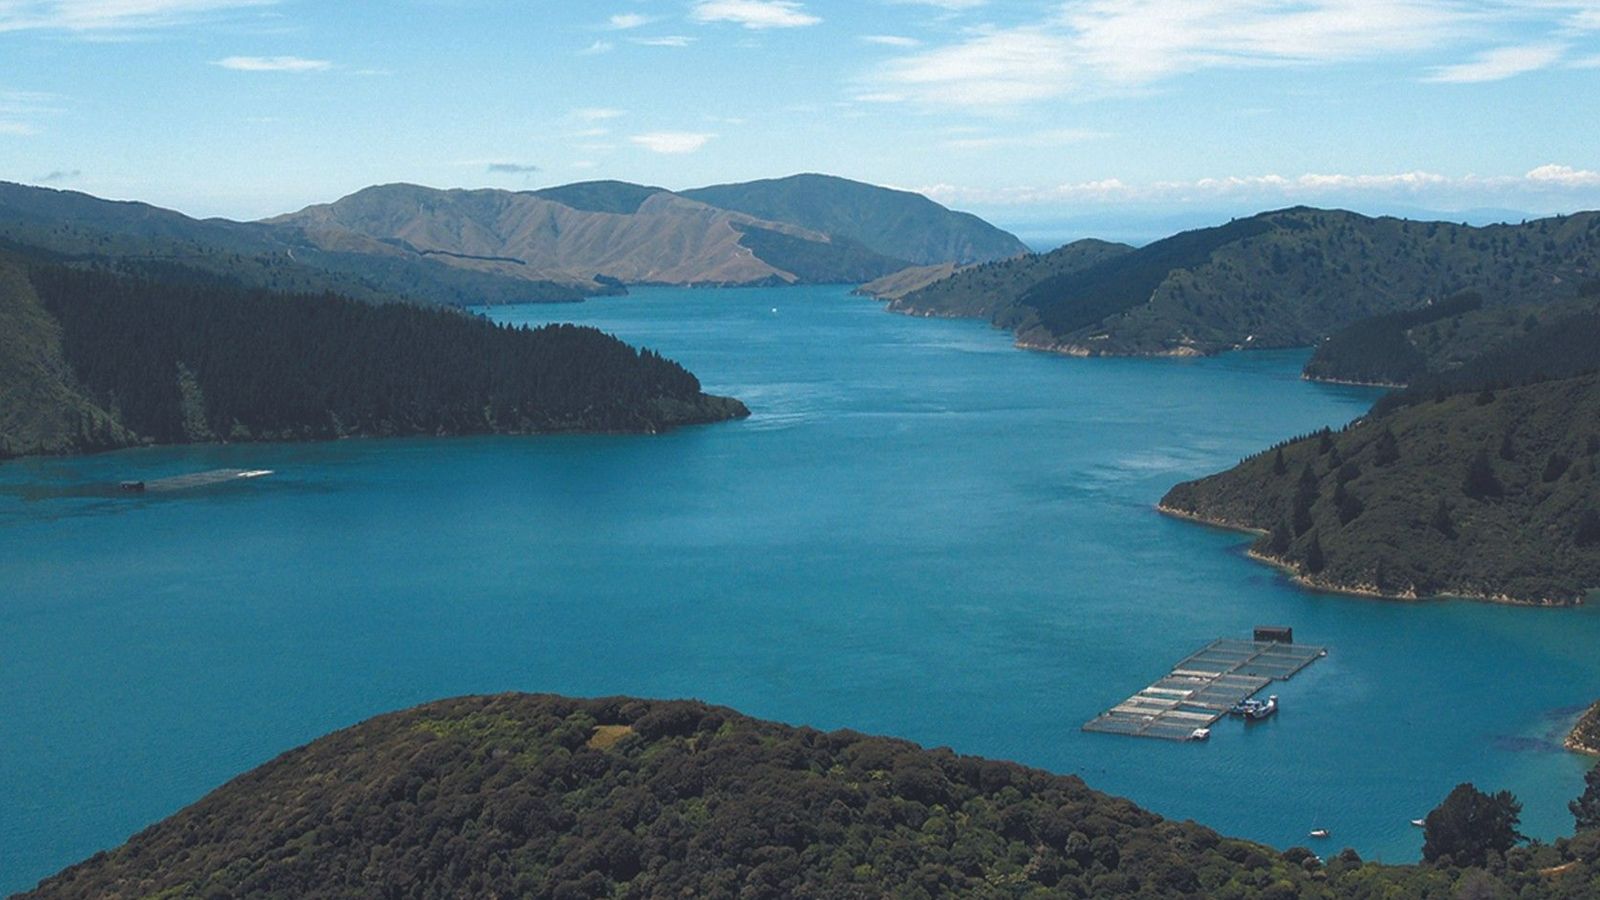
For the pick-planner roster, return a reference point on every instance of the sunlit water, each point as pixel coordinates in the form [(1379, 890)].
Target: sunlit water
[(921, 532)]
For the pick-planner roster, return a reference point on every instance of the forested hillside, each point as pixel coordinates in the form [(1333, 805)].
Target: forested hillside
[(92, 359), (42, 409), (191, 359), (1282, 279), (542, 796), (1399, 348), (1488, 493)]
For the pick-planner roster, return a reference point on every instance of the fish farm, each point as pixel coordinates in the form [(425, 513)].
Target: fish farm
[(1204, 687), (191, 481)]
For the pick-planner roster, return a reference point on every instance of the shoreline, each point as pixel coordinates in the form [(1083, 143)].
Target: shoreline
[(1585, 735), (736, 409), (1313, 583), (1348, 382)]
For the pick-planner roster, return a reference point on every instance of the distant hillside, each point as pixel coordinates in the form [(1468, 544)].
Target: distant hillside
[(88, 229), (989, 291), (1488, 494), (896, 224), (1400, 348), (1286, 278), (898, 284), (92, 359), (542, 796), (607, 230)]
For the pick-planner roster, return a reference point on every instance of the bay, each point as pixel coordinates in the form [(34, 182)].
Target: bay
[(920, 531)]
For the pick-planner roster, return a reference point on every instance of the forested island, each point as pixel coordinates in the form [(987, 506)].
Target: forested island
[(542, 796), (94, 358), (1286, 278)]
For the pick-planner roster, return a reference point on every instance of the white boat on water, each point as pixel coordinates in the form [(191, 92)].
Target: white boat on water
[(1419, 822), (1320, 833)]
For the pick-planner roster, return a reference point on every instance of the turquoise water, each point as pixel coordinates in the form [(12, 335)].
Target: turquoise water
[(921, 532)]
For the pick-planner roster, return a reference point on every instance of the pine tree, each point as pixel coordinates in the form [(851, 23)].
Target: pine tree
[(1480, 482), (1586, 809), (1442, 521), (1315, 561), (1386, 450)]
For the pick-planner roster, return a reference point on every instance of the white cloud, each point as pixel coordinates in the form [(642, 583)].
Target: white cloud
[(1564, 176), (1088, 48), (891, 40), (1415, 186), (667, 40), (1500, 63), (597, 113), (110, 15), (273, 64), (624, 21), (672, 142), (17, 129), (597, 48), (754, 13)]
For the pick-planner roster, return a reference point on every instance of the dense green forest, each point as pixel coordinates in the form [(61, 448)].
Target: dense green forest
[(988, 291), (543, 796), (1483, 493), (1399, 348), (1287, 278), (1562, 347), (98, 359), (1380, 350)]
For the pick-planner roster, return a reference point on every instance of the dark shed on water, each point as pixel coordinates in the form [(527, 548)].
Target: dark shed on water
[(1274, 634)]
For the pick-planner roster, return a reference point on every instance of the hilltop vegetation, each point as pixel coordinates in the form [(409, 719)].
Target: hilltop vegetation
[(896, 224), (1283, 279), (542, 796), (97, 359)]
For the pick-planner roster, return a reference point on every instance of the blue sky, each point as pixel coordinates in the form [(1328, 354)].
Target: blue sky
[(1031, 113)]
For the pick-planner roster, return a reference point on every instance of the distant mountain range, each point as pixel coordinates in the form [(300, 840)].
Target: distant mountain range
[(1279, 279), (465, 247)]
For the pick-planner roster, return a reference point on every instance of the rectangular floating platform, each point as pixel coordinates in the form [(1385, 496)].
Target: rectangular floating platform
[(193, 480), (1204, 687)]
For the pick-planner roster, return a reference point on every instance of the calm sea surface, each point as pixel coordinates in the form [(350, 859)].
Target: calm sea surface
[(921, 532)]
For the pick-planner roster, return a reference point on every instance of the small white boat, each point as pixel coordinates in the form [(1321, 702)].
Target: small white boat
[(1419, 822), (1320, 833), (1200, 734)]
